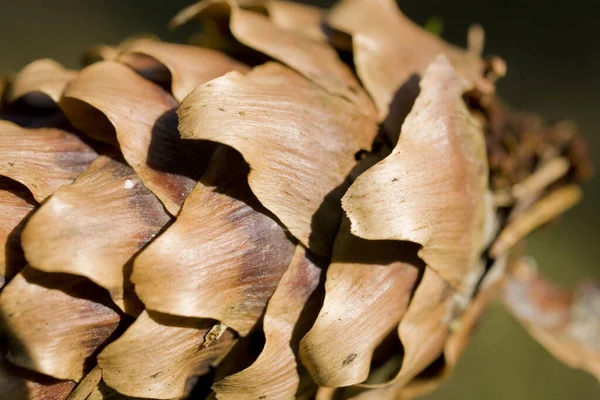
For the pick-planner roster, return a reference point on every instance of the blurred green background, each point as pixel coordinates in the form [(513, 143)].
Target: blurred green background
[(553, 55)]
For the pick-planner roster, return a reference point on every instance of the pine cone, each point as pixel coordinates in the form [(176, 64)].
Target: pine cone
[(313, 204)]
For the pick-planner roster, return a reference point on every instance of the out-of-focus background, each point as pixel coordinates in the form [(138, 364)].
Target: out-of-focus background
[(553, 53)]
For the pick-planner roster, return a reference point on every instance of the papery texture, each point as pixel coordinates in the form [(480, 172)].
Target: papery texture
[(274, 374), (432, 188), (223, 256), (53, 323), (156, 356), (108, 98), (299, 140), (42, 159), (188, 66), (16, 204), (41, 83), (389, 48), (316, 61), (368, 287), (111, 214)]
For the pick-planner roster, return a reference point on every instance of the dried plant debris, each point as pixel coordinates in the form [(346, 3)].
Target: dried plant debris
[(538, 214), (312, 204), (527, 155), (566, 323)]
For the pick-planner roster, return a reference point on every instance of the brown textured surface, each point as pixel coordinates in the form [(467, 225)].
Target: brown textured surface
[(303, 152), (111, 214), (316, 61), (42, 77), (158, 353), (42, 159), (274, 374), (432, 189), (18, 384), (142, 115), (222, 233), (551, 69), (54, 328), (16, 203), (188, 66), (389, 48), (567, 324), (368, 287)]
